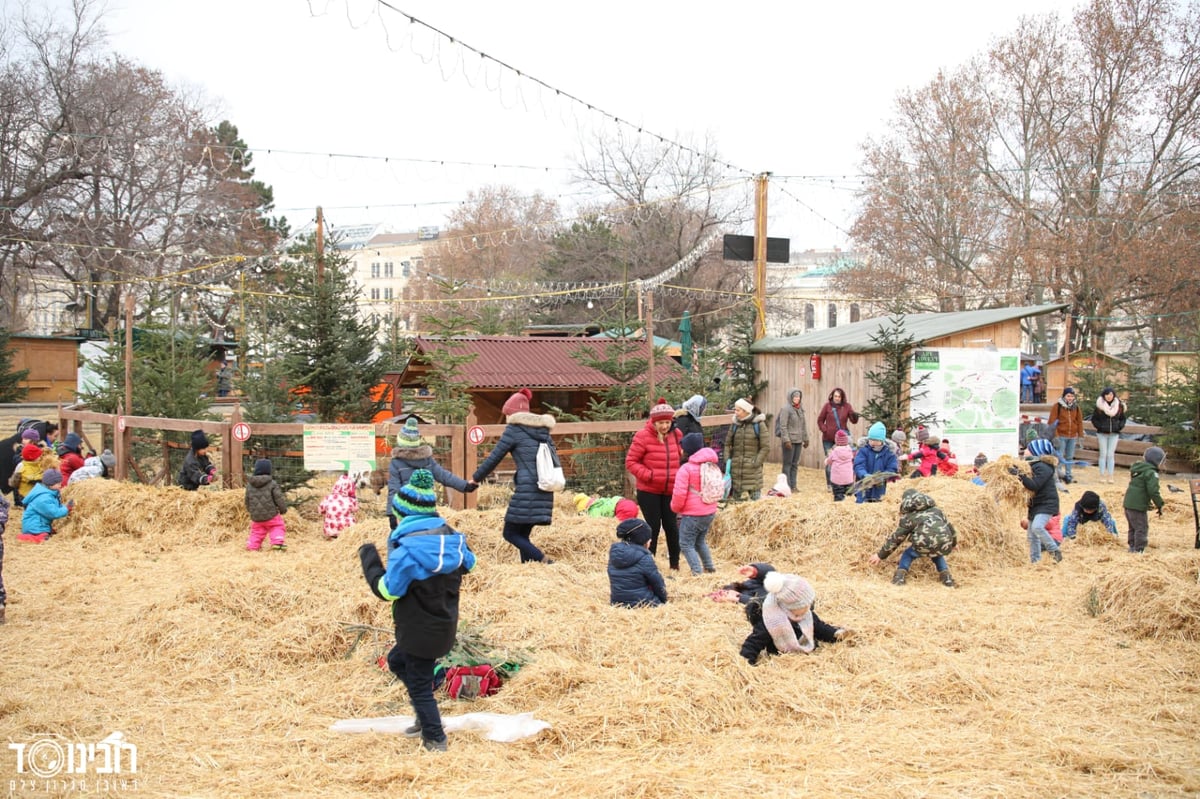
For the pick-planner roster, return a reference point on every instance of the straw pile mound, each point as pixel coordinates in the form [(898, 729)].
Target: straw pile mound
[(226, 667)]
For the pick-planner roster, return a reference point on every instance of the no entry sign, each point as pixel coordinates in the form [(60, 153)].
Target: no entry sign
[(241, 431), (475, 434)]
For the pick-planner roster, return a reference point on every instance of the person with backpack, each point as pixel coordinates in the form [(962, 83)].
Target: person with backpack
[(653, 459), (699, 486), (687, 418), (746, 451), (529, 505)]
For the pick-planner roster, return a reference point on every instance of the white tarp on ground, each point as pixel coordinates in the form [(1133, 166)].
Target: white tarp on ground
[(495, 726)]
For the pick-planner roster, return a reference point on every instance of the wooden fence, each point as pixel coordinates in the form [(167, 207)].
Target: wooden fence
[(230, 453), (1128, 452)]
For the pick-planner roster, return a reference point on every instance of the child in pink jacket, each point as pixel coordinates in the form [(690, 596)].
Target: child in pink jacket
[(689, 502), (840, 461), (339, 506)]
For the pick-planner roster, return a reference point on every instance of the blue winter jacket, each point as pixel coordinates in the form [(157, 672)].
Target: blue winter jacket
[(633, 577), (868, 461), (420, 547), (525, 431), (42, 507)]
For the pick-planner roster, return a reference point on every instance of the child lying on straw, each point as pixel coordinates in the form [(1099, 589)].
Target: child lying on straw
[(784, 622)]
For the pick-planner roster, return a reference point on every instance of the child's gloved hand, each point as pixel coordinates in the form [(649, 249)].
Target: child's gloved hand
[(211, 470), (472, 486), (1014, 471), (71, 507), (1159, 512)]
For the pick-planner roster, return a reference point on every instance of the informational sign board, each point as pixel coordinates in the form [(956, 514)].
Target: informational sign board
[(339, 447), (975, 395)]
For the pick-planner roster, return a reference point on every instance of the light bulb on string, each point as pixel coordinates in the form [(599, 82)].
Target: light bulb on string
[(591, 305)]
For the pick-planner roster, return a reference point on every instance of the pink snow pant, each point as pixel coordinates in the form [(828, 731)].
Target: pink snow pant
[(260, 530)]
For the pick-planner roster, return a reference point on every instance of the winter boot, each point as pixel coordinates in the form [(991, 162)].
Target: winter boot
[(1057, 555), (1, 614), (900, 577), (946, 579), (413, 730)]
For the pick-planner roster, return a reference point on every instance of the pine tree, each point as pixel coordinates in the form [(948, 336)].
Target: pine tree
[(895, 389), (449, 395), (328, 348), (10, 379)]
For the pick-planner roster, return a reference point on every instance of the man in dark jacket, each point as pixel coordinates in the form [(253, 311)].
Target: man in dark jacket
[(426, 562), (1043, 502)]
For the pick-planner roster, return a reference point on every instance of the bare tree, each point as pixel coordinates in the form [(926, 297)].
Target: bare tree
[(662, 201), (116, 182), (1082, 151)]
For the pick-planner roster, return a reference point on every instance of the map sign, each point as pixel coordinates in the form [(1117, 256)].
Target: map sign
[(975, 395), (339, 447)]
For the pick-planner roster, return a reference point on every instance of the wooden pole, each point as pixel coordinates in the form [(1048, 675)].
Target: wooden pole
[(1067, 354), (650, 341), (129, 351), (320, 244), (760, 254)]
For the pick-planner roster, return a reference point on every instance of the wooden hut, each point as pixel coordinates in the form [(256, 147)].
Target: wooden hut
[(504, 364), (1066, 370), (848, 352)]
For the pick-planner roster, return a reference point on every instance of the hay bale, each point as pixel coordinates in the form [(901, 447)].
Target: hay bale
[(1148, 599)]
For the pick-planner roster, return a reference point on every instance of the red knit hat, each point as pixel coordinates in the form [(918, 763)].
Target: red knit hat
[(31, 452), (661, 411), (840, 438), (626, 509), (517, 403)]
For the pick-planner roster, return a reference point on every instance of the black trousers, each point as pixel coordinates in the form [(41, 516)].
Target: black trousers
[(656, 509)]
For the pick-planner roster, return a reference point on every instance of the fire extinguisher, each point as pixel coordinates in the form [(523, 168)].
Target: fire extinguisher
[(814, 366)]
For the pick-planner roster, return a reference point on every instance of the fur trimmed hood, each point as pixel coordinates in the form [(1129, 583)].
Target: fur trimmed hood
[(532, 419), (413, 454)]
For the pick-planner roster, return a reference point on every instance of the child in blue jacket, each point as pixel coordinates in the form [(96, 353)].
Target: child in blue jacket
[(875, 458), (42, 507), (426, 562), (633, 578)]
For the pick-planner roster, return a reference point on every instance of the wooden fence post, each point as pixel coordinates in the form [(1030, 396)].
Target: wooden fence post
[(464, 457), (122, 444), (234, 468)]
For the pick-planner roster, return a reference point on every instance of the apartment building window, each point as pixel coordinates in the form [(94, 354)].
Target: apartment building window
[(855, 313), (404, 268), (387, 269), (375, 269), (375, 293), (810, 316), (832, 314), (387, 293)]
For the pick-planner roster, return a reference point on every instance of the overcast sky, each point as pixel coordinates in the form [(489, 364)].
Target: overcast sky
[(793, 88)]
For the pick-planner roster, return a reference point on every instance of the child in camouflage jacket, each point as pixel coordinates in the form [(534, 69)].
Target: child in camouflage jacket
[(928, 532)]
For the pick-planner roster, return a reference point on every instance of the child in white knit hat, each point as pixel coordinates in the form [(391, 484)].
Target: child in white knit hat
[(784, 621)]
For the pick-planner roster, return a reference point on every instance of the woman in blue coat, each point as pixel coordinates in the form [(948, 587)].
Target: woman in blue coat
[(530, 505)]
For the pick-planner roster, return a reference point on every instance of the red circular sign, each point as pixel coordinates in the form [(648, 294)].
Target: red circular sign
[(120, 424), (475, 434), (241, 431)]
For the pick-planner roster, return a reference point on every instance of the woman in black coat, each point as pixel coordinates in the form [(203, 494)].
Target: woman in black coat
[(530, 505)]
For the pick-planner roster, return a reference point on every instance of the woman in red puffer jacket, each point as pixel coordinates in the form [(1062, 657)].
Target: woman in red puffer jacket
[(653, 459)]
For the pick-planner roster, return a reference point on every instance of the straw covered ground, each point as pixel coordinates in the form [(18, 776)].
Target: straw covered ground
[(226, 668)]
